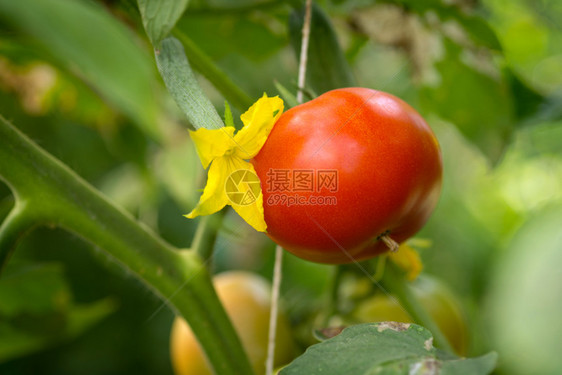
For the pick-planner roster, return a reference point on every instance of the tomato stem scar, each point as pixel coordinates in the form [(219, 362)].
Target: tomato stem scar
[(390, 243)]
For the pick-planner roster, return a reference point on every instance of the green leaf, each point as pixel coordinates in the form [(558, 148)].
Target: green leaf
[(20, 340), (228, 120), (528, 102), (479, 365), (33, 289), (88, 41), (204, 65), (327, 68), (384, 348), (287, 96), (531, 39), (37, 310), (221, 35), (180, 81), (531, 106), (478, 104), (160, 16)]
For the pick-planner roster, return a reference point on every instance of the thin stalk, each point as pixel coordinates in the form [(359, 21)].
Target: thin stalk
[(304, 51), (55, 194), (277, 276)]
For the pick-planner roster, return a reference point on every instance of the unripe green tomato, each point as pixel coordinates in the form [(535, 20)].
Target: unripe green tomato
[(246, 299), (435, 297)]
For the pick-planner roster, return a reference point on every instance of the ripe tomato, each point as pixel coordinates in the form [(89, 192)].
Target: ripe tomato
[(344, 169), (246, 299), (440, 303)]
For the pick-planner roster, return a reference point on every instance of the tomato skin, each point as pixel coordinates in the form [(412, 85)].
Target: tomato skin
[(389, 173)]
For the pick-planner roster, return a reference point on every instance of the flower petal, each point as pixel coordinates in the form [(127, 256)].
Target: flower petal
[(408, 259), (212, 143), (258, 122), (214, 196), (243, 189)]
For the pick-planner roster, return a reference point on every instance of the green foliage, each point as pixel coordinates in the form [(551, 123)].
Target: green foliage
[(37, 311), (477, 103), (228, 120), (472, 22), (327, 68), (92, 44), (217, 77), (288, 97), (523, 299), (385, 348), (48, 192), (78, 78), (160, 17), (224, 34), (180, 81)]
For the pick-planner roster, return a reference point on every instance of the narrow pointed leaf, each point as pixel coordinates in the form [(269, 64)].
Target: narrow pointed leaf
[(160, 16), (181, 83), (287, 96)]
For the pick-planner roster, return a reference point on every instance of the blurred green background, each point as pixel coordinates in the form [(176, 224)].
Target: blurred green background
[(79, 78)]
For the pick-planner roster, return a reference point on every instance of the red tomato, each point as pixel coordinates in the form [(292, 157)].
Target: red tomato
[(344, 169)]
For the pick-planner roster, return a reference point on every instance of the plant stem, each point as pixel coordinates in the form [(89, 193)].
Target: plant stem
[(396, 283), (304, 51), (54, 194), (205, 236), (18, 222), (277, 276)]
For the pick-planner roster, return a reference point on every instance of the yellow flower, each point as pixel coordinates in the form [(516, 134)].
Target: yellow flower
[(408, 259), (232, 180)]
